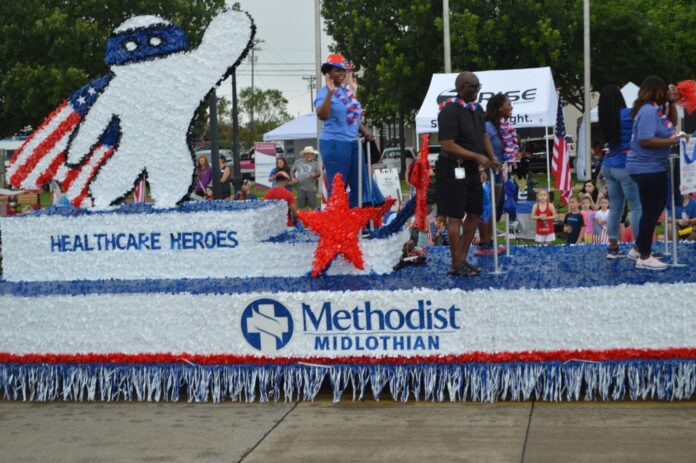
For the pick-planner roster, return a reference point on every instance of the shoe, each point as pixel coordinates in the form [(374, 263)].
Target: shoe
[(651, 264), (486, 249), (465, 269), (633, 254), (615, 253)]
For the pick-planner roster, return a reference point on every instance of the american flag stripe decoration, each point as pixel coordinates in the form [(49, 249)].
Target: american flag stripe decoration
[(32, 162), (76, 181), (42, 157)]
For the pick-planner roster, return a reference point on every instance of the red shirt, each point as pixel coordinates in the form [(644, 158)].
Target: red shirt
[(280, 192)]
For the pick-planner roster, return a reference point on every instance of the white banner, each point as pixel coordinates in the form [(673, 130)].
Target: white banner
[(404, 323), (687, 155), (233, 240), (265, 157), (531, 91)]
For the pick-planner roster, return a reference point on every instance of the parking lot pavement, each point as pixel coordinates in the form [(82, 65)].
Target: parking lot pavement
[(348, 431)]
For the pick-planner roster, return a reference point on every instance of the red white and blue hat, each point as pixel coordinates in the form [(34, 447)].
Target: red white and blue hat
[(335, 60)]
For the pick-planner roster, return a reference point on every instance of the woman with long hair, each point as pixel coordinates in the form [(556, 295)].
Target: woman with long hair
[(281, 165), (204, 176), (616, 124), (654, 115), (505, 144)]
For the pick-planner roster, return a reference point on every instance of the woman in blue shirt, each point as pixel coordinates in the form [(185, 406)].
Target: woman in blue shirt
[(505, 145), (654, 115), (339, 108), (616, 125)]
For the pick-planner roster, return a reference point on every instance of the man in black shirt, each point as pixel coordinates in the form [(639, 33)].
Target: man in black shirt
[(466, 153)]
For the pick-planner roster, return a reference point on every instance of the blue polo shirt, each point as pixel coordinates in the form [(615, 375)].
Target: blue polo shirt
[(640, 160), (616, 157), (336, 127)]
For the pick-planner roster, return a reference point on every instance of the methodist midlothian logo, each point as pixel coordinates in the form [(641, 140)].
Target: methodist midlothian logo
[(267, 325)]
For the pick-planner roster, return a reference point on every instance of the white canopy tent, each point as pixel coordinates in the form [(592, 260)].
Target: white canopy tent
[(295, 134), (302, 128), (531, 91)]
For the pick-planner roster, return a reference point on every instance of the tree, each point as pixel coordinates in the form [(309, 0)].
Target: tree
[(269, 110), (397, 44), (50, 48)]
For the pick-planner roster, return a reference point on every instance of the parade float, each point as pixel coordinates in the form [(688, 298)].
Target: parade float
[(214, 301)]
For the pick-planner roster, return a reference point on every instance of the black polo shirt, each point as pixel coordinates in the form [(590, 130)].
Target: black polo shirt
[(465, 127)]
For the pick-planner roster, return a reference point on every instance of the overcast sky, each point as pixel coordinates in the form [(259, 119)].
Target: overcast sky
[(286, 53)]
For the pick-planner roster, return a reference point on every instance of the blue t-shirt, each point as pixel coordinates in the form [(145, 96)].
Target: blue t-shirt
[(616, 157), (640, 160), (497, 143), (337, 127)]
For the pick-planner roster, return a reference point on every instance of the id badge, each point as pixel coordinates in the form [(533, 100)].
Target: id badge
[(459, 173)]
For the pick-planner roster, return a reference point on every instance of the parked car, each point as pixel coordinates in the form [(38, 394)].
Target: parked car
[(534, 149), (391, 157)]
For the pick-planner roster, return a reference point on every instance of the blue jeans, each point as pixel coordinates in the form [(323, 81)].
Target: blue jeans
[(621, 187), (341, 157), (653, 197)]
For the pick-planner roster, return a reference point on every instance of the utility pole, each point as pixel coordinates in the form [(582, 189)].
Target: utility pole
[(311, 80), (446, 36), (253, 95)]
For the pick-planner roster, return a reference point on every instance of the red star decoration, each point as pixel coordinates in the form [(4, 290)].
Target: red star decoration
[(338, 227), (420, 178)]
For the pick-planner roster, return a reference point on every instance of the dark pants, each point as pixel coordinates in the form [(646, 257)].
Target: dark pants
[(653, 197)]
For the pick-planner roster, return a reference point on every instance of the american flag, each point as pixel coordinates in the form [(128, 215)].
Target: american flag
[(324, 188), (560, 164), (42, 156), (139, 191)]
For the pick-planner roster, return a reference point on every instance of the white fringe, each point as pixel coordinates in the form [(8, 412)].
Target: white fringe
[(485, 382)]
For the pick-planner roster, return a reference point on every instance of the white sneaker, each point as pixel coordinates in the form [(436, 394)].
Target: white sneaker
[(651, 264), (633, 254)]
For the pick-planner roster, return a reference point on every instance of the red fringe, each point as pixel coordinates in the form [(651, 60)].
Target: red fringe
[(474, 357)]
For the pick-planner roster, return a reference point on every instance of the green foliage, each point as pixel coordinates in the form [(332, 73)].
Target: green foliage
[(269, 111), (268, 108), (397, 44), (394, 44), (49, 48)]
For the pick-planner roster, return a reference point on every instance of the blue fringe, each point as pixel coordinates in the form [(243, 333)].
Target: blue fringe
[(476, 382)]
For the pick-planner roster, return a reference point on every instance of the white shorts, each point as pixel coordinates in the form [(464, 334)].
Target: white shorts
[(545, 238)]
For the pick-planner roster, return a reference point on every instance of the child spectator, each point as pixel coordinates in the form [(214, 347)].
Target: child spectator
[(600, 221), (245, 193), (544, 213), (588, 217), (280, 192), (440, 234), (573, 223)]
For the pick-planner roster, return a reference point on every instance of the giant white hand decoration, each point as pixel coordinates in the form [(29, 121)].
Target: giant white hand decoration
[(136, 119)]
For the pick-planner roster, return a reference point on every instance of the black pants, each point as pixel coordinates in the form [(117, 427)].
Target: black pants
[(653, 197)]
